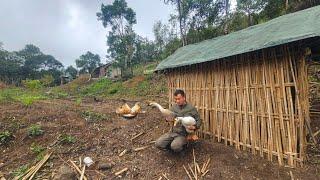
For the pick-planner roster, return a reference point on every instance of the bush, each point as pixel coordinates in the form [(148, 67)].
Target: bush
[(47, 80), (32, 84), (27, 101), (35, 130)]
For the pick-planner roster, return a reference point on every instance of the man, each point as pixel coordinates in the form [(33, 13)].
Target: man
[(176, 139)]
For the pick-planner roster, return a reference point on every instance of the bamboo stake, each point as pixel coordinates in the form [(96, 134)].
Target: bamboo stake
[(187, 172), (121, 171), (82, 172), (77, 169)]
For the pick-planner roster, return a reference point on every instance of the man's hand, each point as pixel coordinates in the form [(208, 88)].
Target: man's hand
[(191, 127), (169, 119)]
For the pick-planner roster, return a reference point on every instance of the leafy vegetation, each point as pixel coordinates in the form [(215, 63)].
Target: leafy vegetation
[(5, 137), (35, 130), (36, 149), (67, 139), (20, 170)]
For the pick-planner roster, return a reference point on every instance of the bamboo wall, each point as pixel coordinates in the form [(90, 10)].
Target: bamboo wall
[(256, 101)]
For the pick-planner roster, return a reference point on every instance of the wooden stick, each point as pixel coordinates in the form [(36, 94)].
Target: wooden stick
[(136, 136), (82, 172), (316, 133), (140, 148), (195, 166), (205, 173), (165, 176), (123, 152), (31, 174), (77, 168), (100, 173), (80, 161), (187, 172), (121, 171), (194, 175)]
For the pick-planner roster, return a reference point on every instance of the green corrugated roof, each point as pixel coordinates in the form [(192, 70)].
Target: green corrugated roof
[(284, 29)]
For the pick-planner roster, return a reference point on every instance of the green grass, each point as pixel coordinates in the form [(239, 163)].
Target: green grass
[(24, 96)]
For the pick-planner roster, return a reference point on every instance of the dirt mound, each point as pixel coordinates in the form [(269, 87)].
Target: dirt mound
[(78, 82), (134, 81)]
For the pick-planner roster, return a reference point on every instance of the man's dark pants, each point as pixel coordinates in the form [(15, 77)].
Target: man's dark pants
[(174, 141)]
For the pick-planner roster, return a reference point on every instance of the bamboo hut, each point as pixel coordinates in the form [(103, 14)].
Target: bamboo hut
[(251, 86)]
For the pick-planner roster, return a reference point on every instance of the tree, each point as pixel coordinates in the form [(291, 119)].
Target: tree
[(120, 18), (88, 62), (183, 8), (72, 71), (250, 7), (10, 68)]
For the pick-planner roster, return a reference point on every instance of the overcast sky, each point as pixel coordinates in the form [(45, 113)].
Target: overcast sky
[(67, 29)]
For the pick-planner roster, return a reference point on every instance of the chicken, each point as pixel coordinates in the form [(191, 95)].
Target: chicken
[(165, 112), (136, 108), (187, 121), (124, 109)]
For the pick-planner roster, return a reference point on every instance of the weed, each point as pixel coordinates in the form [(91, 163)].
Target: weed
[(5, 137), (36, 149), (35, 130), (67, 139), (20, 170), (92, 116)]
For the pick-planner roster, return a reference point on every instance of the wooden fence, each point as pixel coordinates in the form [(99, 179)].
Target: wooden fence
[(256, 101)]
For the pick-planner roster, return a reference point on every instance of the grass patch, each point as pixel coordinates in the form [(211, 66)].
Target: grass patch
[(90, 116)]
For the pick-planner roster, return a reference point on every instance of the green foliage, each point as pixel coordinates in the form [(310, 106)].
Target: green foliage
[(47, 80), (78, 101), (67, 139), (5, 137), (120, 18), (35, 130), (32, 84), (36, 149), (28, 99), (87, 62), (6, 95), (20, 170), (97, 87), (71, 71)]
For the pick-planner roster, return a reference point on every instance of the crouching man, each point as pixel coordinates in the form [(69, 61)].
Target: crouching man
[(177, 138)]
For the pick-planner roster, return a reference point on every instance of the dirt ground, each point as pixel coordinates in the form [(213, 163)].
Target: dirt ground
[(103, 141)]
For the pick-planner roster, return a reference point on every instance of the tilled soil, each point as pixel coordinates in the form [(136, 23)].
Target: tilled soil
[(104, 139)]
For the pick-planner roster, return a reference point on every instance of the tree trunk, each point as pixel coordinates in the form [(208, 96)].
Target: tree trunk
[(180, 23)]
